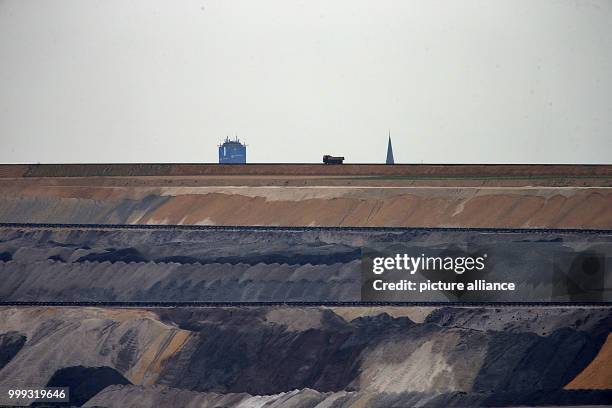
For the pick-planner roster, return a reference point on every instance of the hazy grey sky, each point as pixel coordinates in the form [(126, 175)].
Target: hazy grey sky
[(165, 81)]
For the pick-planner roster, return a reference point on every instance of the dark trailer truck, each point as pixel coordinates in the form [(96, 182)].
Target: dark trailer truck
[(327, 159)]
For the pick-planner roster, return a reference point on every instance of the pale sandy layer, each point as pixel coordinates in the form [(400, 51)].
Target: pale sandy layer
[(421, 365), (418, 208)]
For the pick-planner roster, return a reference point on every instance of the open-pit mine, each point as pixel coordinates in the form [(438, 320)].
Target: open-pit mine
[(243, 285)]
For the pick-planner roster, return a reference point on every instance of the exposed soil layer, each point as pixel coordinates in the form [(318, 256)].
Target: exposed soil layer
[(434, 208), (515, 196), (513, 207), (160, 169), (598, 374), (305, 181), (301, 357)]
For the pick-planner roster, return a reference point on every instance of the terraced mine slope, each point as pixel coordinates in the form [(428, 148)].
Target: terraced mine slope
[(511, 207), (277, 351), (287, 357), (279, 265), (434, 196)]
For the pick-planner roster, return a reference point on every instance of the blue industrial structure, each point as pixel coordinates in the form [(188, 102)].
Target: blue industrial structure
[(232, 152)]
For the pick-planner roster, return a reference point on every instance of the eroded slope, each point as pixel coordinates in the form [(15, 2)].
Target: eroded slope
[(307, 356)]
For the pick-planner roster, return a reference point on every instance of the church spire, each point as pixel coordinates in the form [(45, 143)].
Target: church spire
[(390, 151)]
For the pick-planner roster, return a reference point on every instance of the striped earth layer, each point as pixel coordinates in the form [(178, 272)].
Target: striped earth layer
[(290, 356), (116, 264), (160, 201)]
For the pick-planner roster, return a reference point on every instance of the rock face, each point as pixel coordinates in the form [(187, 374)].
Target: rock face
[(307, 357)]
